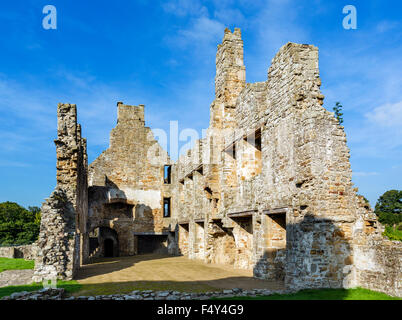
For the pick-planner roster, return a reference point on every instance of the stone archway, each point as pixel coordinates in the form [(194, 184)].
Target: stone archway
[(108, 248), (104, 242), (109, 241)]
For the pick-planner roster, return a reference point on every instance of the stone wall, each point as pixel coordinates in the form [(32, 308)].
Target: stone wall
[(272, 180), (27, 252), (378, 266), (130, 175), (377, 262), (63, 214)]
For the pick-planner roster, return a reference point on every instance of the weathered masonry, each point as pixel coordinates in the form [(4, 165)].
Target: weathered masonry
[(268, 189)]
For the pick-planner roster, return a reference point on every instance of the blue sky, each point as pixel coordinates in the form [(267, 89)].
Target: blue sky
[(162, 54)]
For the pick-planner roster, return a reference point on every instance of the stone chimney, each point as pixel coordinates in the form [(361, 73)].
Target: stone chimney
[(230, 79)]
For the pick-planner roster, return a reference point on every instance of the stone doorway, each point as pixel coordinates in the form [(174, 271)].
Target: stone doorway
[(275, 234), (103, 242), (108, 248)]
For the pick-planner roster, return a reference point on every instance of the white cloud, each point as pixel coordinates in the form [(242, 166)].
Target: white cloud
[(203, 30), (184, 7), (276, 23), (6, 163), (386, 25), (230, 16), (387, 115), (364, 174)]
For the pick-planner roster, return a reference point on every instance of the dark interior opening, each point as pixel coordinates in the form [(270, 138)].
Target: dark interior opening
[(255, 139), (166, 207), (280, 219), (118, 210), (231, 151), (108, 245), (152, 244)]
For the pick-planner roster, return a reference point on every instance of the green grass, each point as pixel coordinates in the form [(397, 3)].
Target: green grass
[(73, 287), (21, 264), (325, 294), (393, 233), (69, 286), (93, 289), (15, 264)]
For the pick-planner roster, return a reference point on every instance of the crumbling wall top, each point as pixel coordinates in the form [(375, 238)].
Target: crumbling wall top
[(127, 113)]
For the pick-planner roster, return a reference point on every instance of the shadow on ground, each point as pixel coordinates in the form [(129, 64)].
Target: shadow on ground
[(101, 266), (163, 272), (182, 286)]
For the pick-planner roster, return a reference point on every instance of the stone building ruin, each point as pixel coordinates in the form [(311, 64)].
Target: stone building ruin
[(268, 189)]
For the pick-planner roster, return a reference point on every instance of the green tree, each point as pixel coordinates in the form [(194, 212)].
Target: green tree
[(338, 112), (17, 224), (389, 207), (36, 212)]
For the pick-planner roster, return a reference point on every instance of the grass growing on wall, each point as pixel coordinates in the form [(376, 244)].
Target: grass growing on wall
[(15, 264), (325, 294), (393, 233)]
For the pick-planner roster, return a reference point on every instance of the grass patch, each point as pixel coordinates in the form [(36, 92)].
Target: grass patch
[(107, 288), (70, 287), (15, 264), (392, 233), (324, 294)]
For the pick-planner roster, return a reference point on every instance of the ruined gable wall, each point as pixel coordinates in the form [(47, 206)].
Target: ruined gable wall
[(305, 169), (330, 240), (64, 214), (305, 216), (325, 204), (130, 171)]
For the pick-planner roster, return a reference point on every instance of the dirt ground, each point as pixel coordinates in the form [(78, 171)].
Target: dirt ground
[(15, 277), (158, 272)]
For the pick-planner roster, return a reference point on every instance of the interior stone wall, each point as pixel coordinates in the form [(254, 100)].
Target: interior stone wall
[(130, 174)]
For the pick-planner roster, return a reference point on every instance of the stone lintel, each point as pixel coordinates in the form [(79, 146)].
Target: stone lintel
[(216, 219), (151, 233), (276, 210), (200, 169), (242, 214), (256, 132), (231, 145)]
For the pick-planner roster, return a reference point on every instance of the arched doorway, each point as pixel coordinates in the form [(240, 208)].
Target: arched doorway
[(103, 242), (108, 247)]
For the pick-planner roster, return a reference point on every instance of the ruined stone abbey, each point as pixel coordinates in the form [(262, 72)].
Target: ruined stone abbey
[(269, 188)]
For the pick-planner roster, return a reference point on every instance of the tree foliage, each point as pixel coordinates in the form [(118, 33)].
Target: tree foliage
[(17, 224), (338, 112), (389, 207)]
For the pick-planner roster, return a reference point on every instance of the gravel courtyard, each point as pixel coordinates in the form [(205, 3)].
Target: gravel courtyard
[(159, 272)]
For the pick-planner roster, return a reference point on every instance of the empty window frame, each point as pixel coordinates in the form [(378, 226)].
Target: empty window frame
[(167, 174), (255, 139), (231, 150), (166, 207)]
